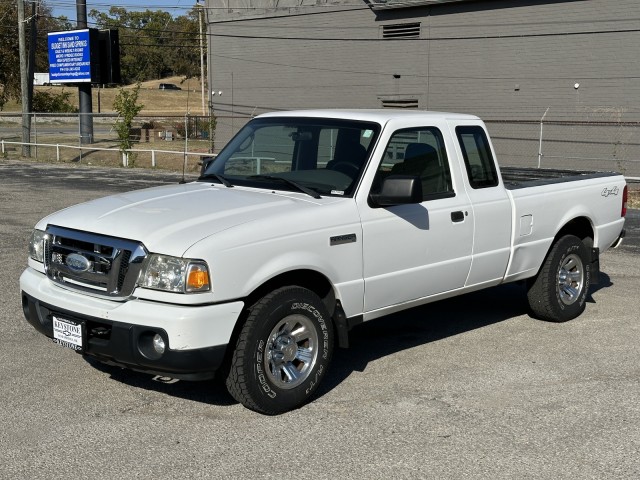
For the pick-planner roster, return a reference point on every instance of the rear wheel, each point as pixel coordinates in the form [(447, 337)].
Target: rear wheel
[(559, 292), (283, 351)]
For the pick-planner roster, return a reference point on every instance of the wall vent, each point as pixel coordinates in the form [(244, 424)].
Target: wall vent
[(401, 30), (402, 103)]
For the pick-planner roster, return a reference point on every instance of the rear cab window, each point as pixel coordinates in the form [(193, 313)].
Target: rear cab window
[(478, 160)]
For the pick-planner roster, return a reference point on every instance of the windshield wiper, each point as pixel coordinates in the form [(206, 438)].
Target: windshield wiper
[(220, 178), (302, 188)]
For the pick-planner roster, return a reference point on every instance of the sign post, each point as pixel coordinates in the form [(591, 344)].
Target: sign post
[(84, 89)]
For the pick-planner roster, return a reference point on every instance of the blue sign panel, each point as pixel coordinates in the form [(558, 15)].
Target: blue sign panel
[(69, 57)]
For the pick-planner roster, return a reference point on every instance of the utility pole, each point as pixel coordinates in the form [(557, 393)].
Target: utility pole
[(209, 82), (32, 53), (200, 12), (84, 89), (24, 82)]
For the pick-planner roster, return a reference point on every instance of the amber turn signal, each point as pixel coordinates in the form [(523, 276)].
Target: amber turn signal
[(197, 278)]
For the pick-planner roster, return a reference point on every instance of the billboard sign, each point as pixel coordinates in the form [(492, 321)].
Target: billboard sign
[(70, 56)]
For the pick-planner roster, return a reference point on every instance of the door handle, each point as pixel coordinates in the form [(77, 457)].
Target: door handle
[(457, 216)]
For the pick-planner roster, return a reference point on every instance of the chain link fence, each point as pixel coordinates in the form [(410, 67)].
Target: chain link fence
[(180, 141), (171, 142), (602, 146)]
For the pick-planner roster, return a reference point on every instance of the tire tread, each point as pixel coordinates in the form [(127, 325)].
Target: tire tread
[(541, 291), (239, 381)]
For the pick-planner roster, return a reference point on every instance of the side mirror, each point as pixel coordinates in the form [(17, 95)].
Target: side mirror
[(398, 190), (204, 163)]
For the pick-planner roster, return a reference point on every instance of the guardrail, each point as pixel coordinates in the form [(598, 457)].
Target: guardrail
[(125, 155)]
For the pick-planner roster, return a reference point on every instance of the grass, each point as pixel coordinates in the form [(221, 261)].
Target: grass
[(155, 101)]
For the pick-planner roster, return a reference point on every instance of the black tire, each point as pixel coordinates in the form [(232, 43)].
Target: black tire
[(273, 371), (559, 292)]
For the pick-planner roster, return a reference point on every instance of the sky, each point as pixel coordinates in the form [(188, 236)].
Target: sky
[(68, 7)]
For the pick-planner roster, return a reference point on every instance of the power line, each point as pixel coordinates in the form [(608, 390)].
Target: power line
[(130, 6), (470, 37)]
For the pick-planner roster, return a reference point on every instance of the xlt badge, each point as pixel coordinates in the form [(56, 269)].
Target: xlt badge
[(341, 239)]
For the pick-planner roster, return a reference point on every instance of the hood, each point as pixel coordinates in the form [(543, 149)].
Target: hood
[(170, 219)]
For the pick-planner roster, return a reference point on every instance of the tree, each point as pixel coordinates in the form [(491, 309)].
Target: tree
[(126, 104), (9, 57), (153, 44), (185, 60)]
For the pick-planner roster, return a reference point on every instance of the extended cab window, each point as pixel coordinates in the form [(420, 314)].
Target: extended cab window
[(481, 169), (418, 152)]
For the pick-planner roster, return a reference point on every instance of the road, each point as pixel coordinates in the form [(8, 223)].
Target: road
[(466, 388)]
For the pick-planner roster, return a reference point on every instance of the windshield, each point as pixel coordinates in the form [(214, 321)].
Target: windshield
[(322, 155)]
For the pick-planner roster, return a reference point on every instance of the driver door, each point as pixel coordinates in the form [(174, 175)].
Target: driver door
[(415, 251)]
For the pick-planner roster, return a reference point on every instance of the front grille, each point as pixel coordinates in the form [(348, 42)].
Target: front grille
[(98, 264)]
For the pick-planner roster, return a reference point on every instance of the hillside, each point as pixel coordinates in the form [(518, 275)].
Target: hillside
[(155, 101)]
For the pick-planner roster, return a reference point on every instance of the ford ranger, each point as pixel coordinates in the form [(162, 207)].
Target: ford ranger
[(306, 224)]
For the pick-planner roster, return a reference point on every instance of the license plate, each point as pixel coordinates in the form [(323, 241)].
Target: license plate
[(67, 333)]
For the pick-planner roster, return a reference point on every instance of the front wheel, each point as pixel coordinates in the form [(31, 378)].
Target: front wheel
[(559, 292), (282, 352)]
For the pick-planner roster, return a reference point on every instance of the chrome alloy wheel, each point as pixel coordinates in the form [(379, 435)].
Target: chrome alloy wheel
[(291, 351), (570, 279)]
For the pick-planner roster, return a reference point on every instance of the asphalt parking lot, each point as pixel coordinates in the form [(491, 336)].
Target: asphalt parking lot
[(466, 388)]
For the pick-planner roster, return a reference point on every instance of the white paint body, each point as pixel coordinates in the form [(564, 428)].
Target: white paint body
[(404, 256)]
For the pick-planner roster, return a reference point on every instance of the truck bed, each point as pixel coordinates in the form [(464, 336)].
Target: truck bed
[(522, 177)]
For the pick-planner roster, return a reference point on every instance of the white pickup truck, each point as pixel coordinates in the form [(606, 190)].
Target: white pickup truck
[(306, 224)]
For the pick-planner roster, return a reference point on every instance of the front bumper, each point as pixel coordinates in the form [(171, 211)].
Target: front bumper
[(120, 333)]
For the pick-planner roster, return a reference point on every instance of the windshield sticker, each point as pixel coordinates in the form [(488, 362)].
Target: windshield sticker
[(337, 192), (367, 133)]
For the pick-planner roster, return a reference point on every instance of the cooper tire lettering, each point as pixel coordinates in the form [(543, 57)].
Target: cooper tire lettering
[(282, 352)]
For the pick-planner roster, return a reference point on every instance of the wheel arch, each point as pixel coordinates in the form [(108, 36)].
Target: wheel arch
[(581, 227), (306, 278)]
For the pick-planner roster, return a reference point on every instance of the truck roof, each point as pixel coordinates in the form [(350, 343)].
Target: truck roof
[(373, 115)]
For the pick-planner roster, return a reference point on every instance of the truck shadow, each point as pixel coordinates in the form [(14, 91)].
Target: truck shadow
[(604, 282), (418, 326), (388, 335), (208, 392), (372, 340)]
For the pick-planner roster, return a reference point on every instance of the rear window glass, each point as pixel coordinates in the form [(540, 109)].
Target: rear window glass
[(481, 168)]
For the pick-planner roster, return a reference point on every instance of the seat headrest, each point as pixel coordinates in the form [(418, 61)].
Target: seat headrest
[(419, 150)]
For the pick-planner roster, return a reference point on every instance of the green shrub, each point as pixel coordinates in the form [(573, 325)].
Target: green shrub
[(126, 104), (48, 102)]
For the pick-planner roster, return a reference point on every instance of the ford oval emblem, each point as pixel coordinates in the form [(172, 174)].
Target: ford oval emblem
[(77, 262)]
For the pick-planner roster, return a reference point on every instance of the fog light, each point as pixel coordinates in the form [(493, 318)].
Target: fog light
[(158, 344)]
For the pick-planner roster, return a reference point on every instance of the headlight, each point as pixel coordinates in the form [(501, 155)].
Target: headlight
[(36, 245), (173, 274)]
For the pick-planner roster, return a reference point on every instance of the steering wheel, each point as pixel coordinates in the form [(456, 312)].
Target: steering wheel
[(347, 168)]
